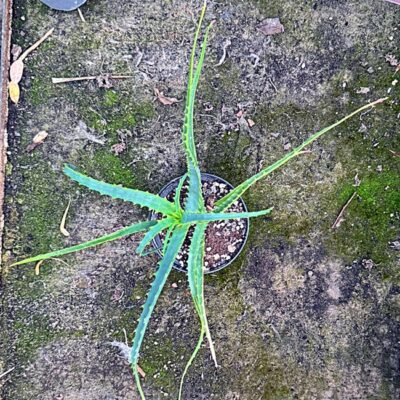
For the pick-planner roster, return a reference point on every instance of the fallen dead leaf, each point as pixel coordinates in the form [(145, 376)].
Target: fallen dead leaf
[(392, 60), (14, 92), (62, 224), (141, 372), (118, 148), (38, 139), (16, 51), (16, 71), (271, 26), (167, 101), (250, 122), (363, 90)]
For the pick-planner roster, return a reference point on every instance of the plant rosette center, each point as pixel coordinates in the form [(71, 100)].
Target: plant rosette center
[(224, 240)]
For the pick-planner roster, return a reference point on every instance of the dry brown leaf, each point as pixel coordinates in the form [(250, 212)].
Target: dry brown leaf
[(38, 139), (118, 148), (16, 71), (271, 26), (392, 60), (16, 51), (13, 89), (141, 372), (167, 101), (62, 224)]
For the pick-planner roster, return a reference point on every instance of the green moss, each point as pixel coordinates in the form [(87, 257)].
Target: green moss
[(110, 112), (157, 362), (42, 199), (227, 158), (108, 167), (41, 90), (370, 220), (33, 332)]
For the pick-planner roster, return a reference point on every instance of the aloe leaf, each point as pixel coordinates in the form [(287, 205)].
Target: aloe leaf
[(191, 359), (129, 230), (178, 191), (188, 137), (193, 218), (231, 197), (167, 238), (143, 199), (194, 200), (196, 278), (196, 284), (153, 232), (160, 278), (191, 96)]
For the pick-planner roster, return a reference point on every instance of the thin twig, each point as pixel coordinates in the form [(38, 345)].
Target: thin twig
[(339, 217), (87, 78), (6, 373), (225, 46), (395, 153), (140, 56), (81, 16), (37, 267), (273, 84), (35, 45), (63, 230)]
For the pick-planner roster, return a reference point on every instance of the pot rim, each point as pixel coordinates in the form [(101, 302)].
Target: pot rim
[(166, 189)]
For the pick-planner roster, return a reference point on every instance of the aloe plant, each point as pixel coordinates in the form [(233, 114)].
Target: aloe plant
[(176, 219)]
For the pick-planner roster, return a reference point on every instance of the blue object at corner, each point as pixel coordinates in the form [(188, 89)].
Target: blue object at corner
[(64, 5)]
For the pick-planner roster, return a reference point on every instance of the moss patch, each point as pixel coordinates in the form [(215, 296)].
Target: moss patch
[(371, 220)]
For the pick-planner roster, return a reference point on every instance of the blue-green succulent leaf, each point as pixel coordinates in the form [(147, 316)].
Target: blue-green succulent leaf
[(129, 230), (154, 231), (143, 199), (208, 217), (226, 201), (160, 278)]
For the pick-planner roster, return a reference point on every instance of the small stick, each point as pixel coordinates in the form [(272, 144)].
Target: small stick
[(225, 46), (395, 153), (87, 78), (35, 45), (81, 16), (37, 267), (6, 373), (339, 217), (62, 224), (273, 85)]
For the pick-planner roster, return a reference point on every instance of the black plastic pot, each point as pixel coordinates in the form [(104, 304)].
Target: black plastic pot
[(170, 187)]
